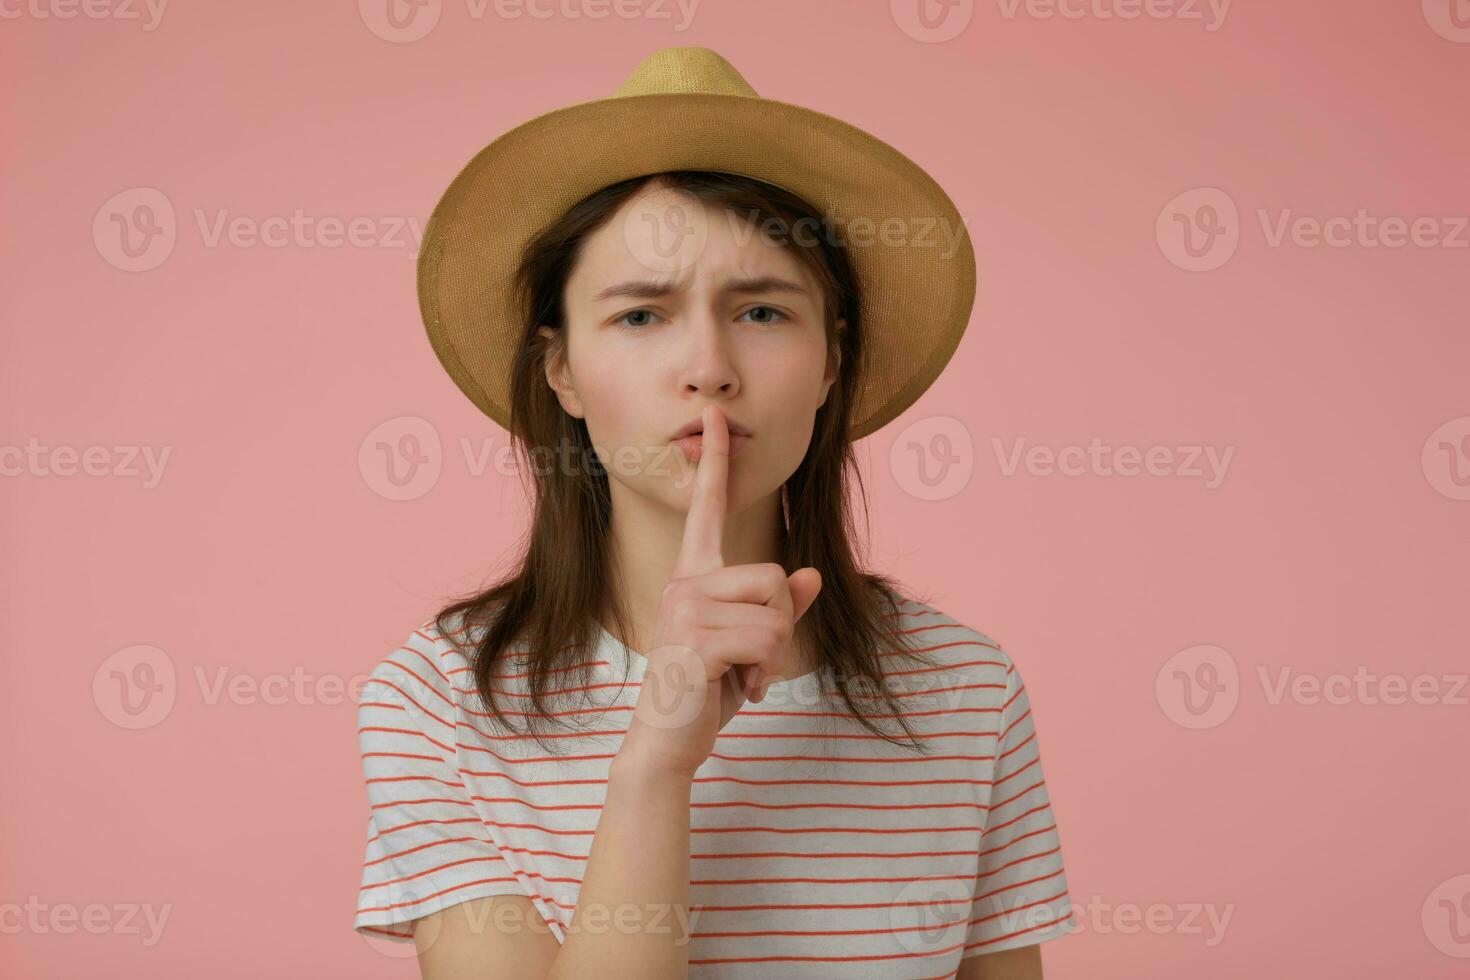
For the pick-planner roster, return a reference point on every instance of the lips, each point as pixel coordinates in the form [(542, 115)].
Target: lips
[(697, 425), (692, 446)]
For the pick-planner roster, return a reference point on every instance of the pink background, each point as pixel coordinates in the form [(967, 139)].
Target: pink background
[(1332, 835)]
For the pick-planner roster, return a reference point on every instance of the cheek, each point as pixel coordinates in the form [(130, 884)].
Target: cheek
[(790, 394), (600, 386), (793, 381)]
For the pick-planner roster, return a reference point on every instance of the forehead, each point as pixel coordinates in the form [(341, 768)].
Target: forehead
[(667, 235)]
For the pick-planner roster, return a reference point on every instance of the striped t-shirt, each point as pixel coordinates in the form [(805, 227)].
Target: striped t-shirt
[(816, 847)]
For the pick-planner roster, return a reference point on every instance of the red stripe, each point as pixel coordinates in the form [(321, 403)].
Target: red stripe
[(944, 951), (428, 871), (436, 799), (1028, 881), (1031, 833), (422, 847), (734, 779), (412, 700), (406, 731), (445, 891)]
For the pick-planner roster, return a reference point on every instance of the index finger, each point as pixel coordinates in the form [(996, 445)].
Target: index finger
[(702, 548)]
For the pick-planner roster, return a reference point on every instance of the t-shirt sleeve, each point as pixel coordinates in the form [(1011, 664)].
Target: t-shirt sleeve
[(1021, 890), (427, 846)]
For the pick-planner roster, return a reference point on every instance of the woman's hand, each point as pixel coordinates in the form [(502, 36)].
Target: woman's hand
[(722, 633)]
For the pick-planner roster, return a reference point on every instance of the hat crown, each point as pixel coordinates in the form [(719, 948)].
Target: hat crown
[(685, 70)]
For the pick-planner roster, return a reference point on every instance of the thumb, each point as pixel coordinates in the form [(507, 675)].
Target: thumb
[(805, 584)]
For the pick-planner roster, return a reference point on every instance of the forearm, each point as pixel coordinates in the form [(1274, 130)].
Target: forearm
[(632, 918)]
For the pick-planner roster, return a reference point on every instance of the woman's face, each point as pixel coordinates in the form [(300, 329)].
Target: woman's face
[(674, 305)]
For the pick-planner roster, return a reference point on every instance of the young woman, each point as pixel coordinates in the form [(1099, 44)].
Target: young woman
[(688, 736)]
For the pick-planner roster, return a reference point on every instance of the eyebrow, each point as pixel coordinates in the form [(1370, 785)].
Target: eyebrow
[(653, 289)]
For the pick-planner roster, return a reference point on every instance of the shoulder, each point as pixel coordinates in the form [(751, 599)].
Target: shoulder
[(972, 664), (935, 631), (428, 670)]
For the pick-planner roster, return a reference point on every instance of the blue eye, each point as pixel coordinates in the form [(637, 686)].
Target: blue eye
[(630, 326), (770, 309)]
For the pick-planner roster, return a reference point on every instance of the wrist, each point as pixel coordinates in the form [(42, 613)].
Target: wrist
[(637, 762)]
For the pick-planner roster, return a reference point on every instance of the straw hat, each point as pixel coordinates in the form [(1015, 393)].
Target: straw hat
[(687, 108)]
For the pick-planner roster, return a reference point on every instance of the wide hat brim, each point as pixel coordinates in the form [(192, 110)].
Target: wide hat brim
[(908, 243)]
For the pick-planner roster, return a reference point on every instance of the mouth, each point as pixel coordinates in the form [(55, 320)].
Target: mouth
[(696, 426), (692, 445)]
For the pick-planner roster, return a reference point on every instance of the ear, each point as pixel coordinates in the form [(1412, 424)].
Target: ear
[(834, 364), (558, 371)]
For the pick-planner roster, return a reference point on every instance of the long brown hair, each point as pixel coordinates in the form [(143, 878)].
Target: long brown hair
[(547, 603)]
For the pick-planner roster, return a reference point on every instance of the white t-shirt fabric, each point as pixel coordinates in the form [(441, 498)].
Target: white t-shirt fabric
[(817, 849)]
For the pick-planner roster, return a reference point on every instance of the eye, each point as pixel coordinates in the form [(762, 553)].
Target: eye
[(770, 309), (633, 326)]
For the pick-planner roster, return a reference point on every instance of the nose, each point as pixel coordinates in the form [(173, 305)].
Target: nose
[(707, 366)]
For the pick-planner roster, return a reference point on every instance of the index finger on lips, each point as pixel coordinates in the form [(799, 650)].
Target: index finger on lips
[(702, 547)]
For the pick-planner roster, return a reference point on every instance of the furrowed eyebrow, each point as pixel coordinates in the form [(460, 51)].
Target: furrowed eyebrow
[(653, 289)]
